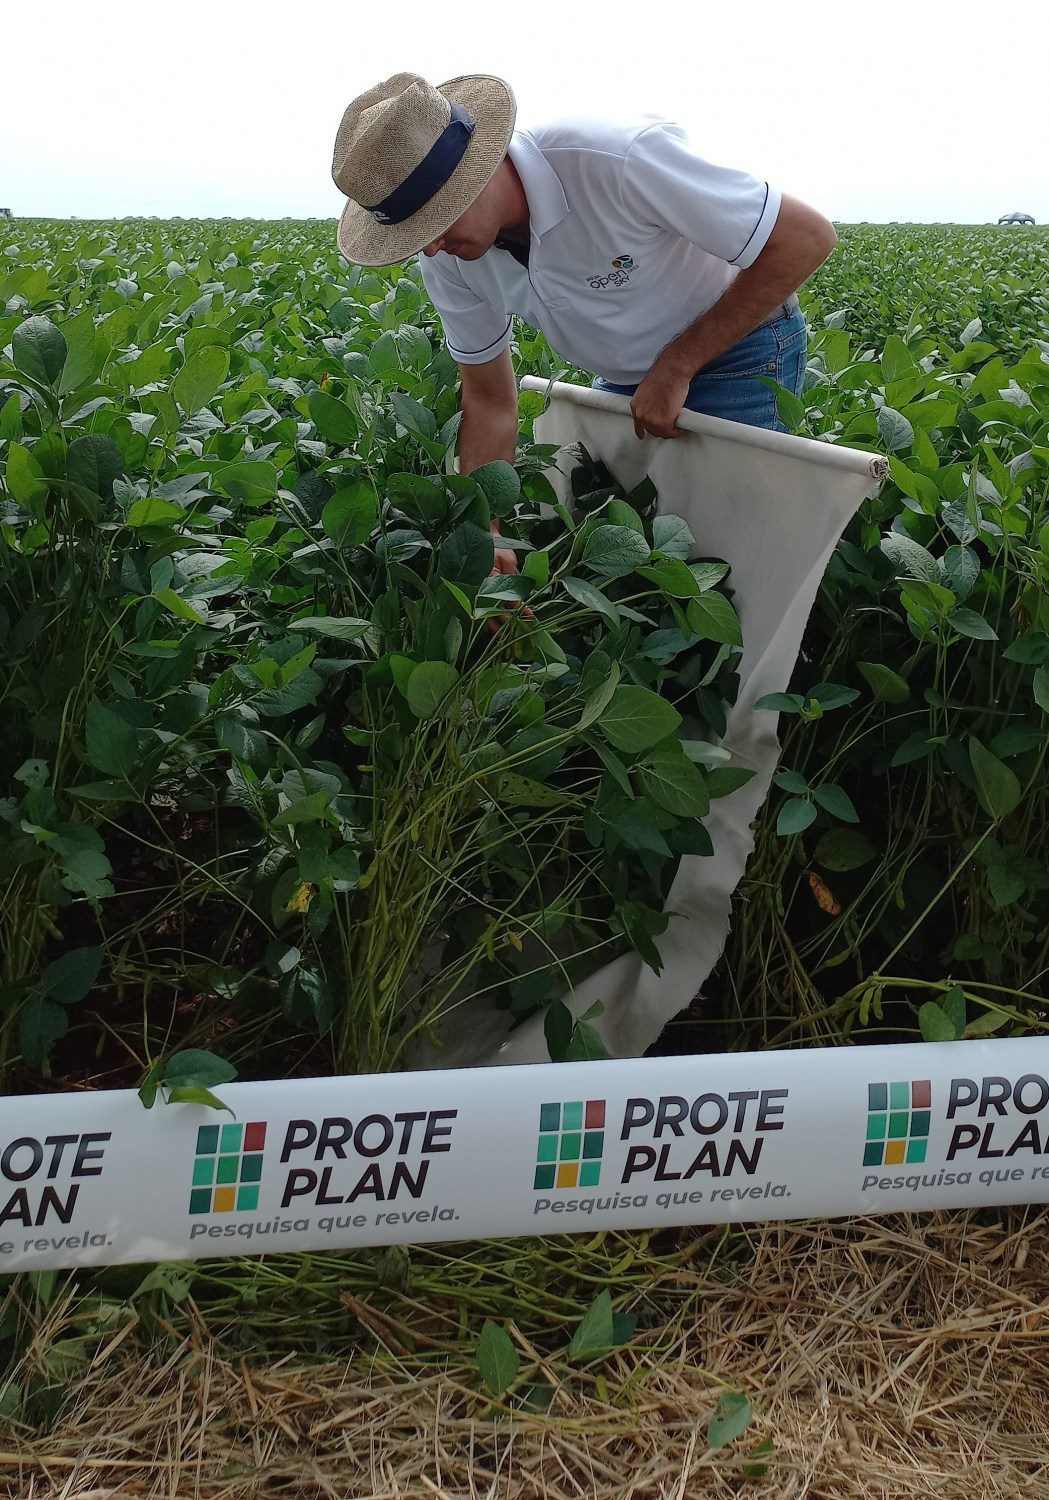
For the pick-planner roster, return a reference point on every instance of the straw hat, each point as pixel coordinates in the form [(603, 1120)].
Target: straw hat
[(412, 158)]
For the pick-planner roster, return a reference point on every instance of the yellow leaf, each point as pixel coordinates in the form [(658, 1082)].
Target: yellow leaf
[(828, 902)]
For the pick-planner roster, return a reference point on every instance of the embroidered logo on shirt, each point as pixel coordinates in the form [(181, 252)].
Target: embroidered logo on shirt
[(619, 275)]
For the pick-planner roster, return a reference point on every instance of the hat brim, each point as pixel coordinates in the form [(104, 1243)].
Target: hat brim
[(366, 242)]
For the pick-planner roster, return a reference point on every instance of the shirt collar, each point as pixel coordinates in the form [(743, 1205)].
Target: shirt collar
[(547, 204)]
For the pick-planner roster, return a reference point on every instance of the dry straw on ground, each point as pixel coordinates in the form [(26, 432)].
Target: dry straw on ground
[(884, 1358)]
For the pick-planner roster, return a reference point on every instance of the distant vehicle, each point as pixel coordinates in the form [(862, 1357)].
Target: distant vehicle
[(1016, 218), (5, 213)]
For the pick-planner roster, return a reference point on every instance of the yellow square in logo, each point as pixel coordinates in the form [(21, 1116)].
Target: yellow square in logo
[(568, 1174), (226, 1199), (895, 1152)]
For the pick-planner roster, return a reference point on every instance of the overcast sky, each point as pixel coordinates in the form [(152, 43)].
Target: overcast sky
[(910, 109)]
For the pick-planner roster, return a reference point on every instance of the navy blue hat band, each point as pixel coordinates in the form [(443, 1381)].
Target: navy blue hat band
[(432, 172)]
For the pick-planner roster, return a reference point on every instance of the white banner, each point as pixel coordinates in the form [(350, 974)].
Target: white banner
[(96, 1179)]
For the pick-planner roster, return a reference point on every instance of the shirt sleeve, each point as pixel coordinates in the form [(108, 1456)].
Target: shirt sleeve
[(474, 330), (726, 212)]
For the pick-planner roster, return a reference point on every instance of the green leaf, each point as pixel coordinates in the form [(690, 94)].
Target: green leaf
[(997, 787), (199, 378), (501, 485), (591, 598), (953, 1004), (615, 551), (153, 512), (333, 419), (673, 577), (497, 1358), (671, 536), (177, 606), (341, 628), (39, 350), (935, 1025), (585, 1045), (795, 816), (730, 1419), (844, 849), (351, 515), (894, 429), (636, 718), (784, 703), (40, 1023), (673, 782), (836, 801), (112, 744), (25, 478), (468, 556), (968, 622), (596, 1332), (71, 977), (1041, 687), (428, 687), (712, 618), (888, 686), (252, 480), (95, 461), (557, 1029)]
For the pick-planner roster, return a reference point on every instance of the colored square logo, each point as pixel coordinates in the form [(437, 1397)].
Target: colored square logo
[(570, 1145), (227, 1168), (899, 1118)]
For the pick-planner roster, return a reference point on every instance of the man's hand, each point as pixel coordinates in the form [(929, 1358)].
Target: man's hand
[(658, 400), (505, 558), (505, 561)]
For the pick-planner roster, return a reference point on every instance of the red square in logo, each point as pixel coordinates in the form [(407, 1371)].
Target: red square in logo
[(255, 1135), (921, 1093), (595, 1114)]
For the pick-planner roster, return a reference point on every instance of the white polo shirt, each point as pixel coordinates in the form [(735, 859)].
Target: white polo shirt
[(633, 236)]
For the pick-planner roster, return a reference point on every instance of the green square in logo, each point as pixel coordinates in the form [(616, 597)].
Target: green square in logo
[(544, 1177), (571, 1146), (590, 1174), (200, 1201), (228, 1169), (872, 1154), (877, 1127), (920, 1122), (232, 1135), (593, 1143), (898, 1125), (247, 1198), (877, 1096), (207, 1139), (547, 1148), (899, 1096), (572, 1116), (204, 1171), (251, 1167), (916, 1150), (550, 1117)]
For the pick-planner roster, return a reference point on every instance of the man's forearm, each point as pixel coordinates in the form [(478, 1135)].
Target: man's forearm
[(487, 432), (801, 241)]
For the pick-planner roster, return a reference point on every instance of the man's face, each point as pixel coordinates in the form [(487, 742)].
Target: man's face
[(475, 231)]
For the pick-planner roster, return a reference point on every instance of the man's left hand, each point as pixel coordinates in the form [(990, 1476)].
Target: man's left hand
[(658, 400)]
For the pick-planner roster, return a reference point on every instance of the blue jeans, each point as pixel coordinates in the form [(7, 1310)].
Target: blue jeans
[(731, 386)]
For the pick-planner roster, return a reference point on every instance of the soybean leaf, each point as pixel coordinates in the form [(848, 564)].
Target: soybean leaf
[(596, 1332), (636, 718), (996, 785), (429, 686), (94, 461), (351, 514), (112, 744), (614, 551), (730, 1420), (39, 350), (199, 378), (333, 419), (497, 1358), (71, 977), (935, 1025)]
